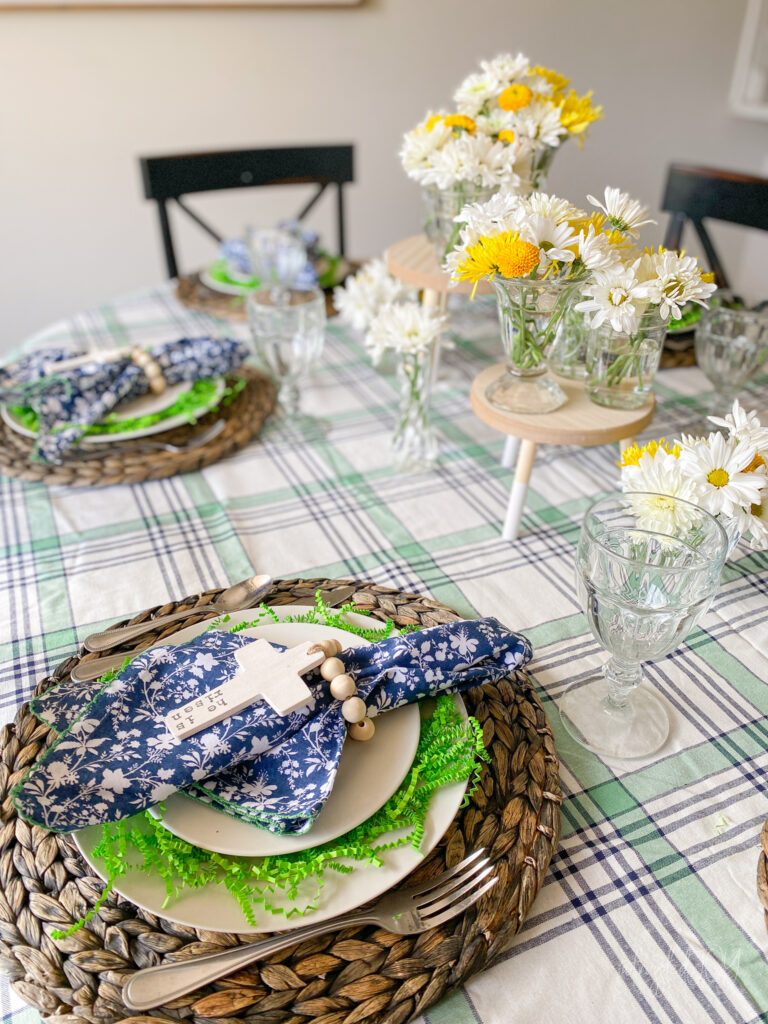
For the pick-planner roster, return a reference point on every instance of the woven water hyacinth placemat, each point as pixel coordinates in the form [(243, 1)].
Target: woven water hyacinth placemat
[(192, 293), (362, 975), (128, 463)]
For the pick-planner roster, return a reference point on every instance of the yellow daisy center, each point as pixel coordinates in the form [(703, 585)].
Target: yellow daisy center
[(460, 121), (756, 463), (663, 502), (431, 121), (505, 135), (757, 510), (718, 477), (515, 97)]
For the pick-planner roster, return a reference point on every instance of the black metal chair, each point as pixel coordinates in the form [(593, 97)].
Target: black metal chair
[(693, 193), (173, 177)]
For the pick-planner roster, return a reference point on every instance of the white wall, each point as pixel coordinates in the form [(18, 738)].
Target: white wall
[(83, 93)]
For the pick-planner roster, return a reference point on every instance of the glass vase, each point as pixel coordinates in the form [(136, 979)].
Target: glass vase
[(414, 444), (731, 346), (568, 355), (531, 315), (443, 205), (541, 162), (647, 569), (620, 366)]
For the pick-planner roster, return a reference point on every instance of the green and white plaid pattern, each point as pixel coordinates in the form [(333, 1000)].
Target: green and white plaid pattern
[(649, 909)]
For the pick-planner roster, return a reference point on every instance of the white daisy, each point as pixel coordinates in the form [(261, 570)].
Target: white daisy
[(407, 327), (505, 67), (475, 91), (596, 252), (553, 239), (623, 212), (744, 426), (552, 206), (613, 297), (753, 524), (540, 120), (670, 280), (362, 297), (717, 464), (660, 480)]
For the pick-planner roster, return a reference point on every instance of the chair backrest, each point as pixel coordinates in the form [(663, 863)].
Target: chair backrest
[(173, 177), (693, 193)]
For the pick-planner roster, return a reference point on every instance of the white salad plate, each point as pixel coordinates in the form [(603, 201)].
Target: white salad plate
[(369, 773), (146, 405)]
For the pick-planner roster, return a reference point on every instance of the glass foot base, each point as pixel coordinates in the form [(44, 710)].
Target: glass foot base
[(525, 394), (637, 730)]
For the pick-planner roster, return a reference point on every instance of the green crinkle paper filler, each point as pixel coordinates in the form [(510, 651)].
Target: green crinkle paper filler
[(449, 750)]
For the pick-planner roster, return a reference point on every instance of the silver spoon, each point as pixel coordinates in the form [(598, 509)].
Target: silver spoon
[(241, 595)]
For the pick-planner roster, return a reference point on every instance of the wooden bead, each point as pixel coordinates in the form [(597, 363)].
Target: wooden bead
[(334, 647), (331, 668), (343, 687), (353, 709), (362, 730)]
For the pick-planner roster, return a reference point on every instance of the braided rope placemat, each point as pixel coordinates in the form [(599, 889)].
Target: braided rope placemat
[(192, 293), (362, 975), (123, 463)]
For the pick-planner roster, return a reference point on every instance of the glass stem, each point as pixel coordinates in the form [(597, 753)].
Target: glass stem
[(623, 677)]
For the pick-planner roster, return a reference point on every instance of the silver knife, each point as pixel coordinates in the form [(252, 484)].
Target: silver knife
[(87, 671)]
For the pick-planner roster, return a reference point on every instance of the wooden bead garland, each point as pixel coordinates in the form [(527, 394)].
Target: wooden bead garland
[(343, 688), (150, 368)]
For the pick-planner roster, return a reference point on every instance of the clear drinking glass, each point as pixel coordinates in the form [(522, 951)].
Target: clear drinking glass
[(277, 258), (731, 345), (647, 568), (288, 335)]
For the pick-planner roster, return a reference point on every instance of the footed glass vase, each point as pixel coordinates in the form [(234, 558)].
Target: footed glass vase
[(531, 315), (414, 444), (443, 205)]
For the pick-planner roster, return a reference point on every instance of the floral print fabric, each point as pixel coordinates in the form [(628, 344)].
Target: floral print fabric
[(114, 755), (69, 402)]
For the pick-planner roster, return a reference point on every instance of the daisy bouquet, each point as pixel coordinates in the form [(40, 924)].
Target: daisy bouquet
[(364, 294), (724, 473), (536, 250)]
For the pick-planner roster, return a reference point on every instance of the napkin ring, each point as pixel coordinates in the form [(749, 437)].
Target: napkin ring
[(343, 688), (150, 368)]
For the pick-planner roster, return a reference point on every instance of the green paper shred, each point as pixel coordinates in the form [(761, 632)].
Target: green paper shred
[(449, 750), (199, 396)]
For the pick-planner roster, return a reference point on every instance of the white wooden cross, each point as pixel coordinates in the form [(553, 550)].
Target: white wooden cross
[(264, 673)]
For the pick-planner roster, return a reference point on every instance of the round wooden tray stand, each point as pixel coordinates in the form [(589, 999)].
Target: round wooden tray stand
[(413, 261), (578, 422), (122, 463), (362, 975)]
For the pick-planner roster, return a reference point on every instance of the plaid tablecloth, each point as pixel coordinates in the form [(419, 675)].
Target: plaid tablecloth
[(649, 909)]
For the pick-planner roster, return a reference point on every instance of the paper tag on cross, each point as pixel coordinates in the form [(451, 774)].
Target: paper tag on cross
[(264, 673)]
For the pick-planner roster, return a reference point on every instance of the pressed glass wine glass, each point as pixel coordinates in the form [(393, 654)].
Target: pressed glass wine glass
[(647, 568), (288, 335), (731, 345), (277, 259)]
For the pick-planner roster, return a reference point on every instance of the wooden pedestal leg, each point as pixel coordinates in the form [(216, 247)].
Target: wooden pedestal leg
[(626, 443), (511, 448), (519, 490)]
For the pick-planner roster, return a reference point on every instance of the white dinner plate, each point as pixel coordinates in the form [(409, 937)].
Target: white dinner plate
[(223, 286), (211, 906), (146, 405)]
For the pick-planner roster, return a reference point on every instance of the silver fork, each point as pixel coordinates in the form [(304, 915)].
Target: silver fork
[(97, 452), (404, 913)]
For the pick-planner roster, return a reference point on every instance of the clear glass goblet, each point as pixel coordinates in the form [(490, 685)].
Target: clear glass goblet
[(277, 259), (647, 568), (731, 345), (288, 336)]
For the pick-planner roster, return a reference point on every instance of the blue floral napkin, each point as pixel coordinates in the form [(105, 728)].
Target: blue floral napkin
[(69, 402), (114, 755)]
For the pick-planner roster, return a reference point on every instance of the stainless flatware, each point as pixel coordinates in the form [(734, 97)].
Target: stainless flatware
[(129, 448), (87, 671), (244, 594), (404, 913)]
